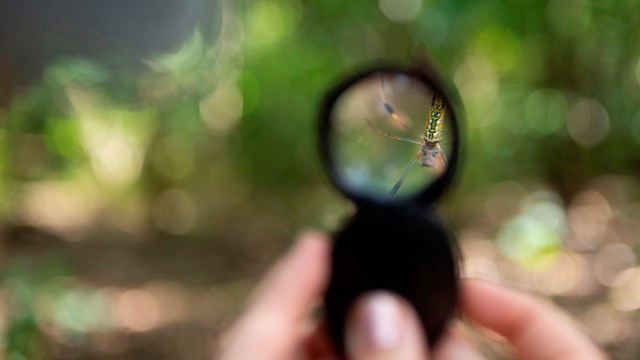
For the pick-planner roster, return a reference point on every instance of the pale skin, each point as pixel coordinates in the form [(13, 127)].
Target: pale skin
[(277, 323)]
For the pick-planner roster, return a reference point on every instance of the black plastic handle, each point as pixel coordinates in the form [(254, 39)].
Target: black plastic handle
[(391, 248)]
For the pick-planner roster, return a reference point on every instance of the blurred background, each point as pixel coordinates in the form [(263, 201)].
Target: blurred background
[(156, 156)]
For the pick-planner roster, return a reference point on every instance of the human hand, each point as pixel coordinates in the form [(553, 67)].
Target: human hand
[(276, 324)]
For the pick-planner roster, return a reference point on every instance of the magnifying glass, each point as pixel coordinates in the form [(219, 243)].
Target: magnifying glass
[(390, 142)]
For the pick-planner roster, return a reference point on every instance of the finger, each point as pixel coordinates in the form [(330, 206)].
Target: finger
[(383, 326), (537, 330), (296, 282), (271, 325), (455, 347)]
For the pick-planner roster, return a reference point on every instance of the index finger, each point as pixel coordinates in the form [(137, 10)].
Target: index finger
[(270, 327), (537, 330)]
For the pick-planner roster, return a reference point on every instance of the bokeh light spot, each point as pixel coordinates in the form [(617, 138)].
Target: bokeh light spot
[(561, 275), (588, 122), (569, 17), (611, 260), (588, 217), (222, 109), (400, 11), (501, 46), (269, 21), (175, 212), (173, 156), (606, 324), (546, 111), (58, 206), (137, 310), (625, 293), (535, 233)]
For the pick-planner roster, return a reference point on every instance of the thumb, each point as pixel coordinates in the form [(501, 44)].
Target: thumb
[(384, 326)]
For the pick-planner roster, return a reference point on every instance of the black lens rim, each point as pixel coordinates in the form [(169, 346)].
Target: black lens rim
[(423, 73)]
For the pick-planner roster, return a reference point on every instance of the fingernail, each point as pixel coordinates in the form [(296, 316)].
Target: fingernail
[(376, 324)]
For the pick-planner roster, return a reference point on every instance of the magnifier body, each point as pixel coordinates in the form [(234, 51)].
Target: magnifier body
[(404, 250), (389, 140)]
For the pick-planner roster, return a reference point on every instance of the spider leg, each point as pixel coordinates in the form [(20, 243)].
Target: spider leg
[(413, 141), (408, 168), (445, 162)]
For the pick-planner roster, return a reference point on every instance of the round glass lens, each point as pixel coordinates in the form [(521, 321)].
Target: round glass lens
[(390, 135)]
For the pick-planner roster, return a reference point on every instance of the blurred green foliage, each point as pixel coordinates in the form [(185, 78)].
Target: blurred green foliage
[(177, 181)]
